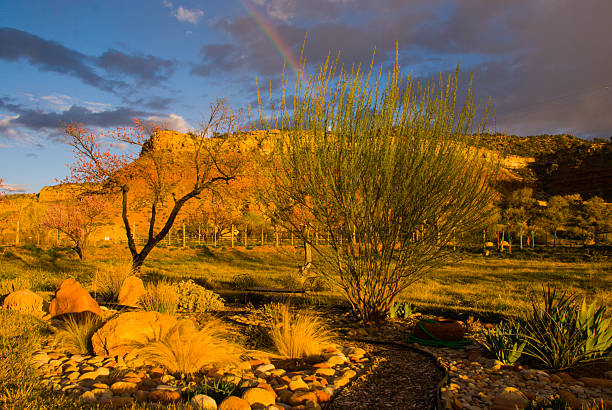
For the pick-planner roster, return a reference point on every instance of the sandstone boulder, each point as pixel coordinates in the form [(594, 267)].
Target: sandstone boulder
[(234, 403), (123, 333), (71, 298), (131, 291), (24, 301)]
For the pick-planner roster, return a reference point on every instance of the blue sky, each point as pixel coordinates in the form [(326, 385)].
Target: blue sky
[(545, 64)]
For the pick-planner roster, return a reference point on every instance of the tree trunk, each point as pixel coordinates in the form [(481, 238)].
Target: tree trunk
[(245, 235), (555, 238), (199, 234), (521, 240), (276, 236), (262, 236), (232, 234), (183, 234), (532, 240)]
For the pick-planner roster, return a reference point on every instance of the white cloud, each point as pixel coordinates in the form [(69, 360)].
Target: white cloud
[(58, 101), (168, 4), (6, 121), (14, 188), (172, 121), (186, 15)]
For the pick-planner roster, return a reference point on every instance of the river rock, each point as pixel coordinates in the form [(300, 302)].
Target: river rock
[(258, 396), (203, 402), (234, 403)]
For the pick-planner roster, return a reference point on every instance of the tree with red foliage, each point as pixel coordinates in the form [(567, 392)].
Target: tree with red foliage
[(77, 219), (160, 175)]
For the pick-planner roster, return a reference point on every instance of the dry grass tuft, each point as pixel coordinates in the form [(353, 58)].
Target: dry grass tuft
[(299, 335), (161, 297), (75, 335), (185, 349), (108, 279)]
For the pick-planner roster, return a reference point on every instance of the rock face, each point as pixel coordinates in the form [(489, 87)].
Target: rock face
[(123, 333), (447, 330), (71, 298), (131, 291), (24, 301)]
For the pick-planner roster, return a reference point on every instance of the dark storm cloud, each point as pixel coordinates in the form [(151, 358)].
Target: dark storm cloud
[(147, 69), (36, 120), (545, 64), (159, 103), (52, 56)]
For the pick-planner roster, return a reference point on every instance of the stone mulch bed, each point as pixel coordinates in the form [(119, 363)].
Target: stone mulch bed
[(356, 374)]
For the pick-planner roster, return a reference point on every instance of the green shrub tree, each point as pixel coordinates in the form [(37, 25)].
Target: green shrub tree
[(389, 168)]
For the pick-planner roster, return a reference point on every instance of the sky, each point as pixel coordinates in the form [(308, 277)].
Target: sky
[(546, 64)]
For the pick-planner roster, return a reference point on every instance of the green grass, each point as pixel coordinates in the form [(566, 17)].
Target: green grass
[(476, 284)]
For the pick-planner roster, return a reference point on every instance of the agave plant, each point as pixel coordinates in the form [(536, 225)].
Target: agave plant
[(598, 330), (504, 342)]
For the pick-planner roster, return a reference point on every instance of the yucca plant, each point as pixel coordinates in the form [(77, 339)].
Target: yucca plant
[(505, 342), (160, 297), (185, 349), (299, 335), (74, 336)]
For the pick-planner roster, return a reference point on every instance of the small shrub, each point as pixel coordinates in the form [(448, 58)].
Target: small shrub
[(160, 297), (107, 280), (298, 335), (195, 298), (504, 342), (74, 336), (400, 310), (185, 349), (243, 281)]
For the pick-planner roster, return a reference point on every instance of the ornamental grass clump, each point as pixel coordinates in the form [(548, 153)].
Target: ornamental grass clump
[(74, 336), (299, 335), (185, 349), (108, 279), (160, 297), (560, 334)]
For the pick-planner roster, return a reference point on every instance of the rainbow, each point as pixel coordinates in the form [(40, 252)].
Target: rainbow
[(268, 30)]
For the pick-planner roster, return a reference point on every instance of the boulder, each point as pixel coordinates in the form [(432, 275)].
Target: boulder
[(131, 291), (444, 329), (24, 301), (123, 333), (71, 298)]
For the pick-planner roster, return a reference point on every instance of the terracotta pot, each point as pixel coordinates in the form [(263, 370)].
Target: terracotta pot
[(443, 329)]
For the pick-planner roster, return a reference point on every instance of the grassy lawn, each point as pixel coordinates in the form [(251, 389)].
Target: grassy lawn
[(476, 284)]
